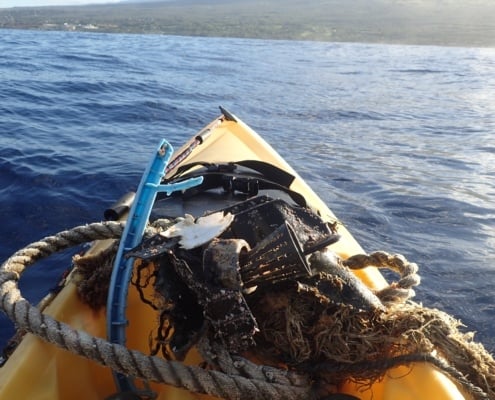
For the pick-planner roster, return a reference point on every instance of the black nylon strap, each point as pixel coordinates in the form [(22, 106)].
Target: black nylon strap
[(269, 172), (253, 176)]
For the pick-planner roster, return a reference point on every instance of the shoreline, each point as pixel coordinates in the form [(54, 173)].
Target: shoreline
[(362, 21)]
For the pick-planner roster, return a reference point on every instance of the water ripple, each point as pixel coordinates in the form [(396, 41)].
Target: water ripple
[(396, 139)]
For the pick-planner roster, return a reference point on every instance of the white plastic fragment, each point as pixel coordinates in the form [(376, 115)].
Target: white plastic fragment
[(196, 233)]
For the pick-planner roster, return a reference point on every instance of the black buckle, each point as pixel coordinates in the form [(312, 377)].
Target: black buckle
[(233, 184)]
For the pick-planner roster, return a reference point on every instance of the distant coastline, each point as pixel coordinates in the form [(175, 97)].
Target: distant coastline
[(444, 23)]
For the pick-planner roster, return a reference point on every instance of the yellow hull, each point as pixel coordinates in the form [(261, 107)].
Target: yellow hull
[(37, 370)]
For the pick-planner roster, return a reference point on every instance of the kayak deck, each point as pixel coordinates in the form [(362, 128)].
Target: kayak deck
[(40, 370)]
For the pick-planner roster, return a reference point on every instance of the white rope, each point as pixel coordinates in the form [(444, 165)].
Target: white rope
[(396, 292), (128, 362)]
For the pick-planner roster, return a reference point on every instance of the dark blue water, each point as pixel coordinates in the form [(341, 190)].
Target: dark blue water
[(398, 140)]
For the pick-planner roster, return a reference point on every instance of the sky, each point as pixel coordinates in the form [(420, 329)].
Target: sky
[(39, 3)]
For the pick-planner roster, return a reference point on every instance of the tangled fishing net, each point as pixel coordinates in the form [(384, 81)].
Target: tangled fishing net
[(339, 343), (93, 275), (296, 321)]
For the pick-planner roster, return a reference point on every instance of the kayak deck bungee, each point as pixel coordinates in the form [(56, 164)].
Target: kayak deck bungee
[(245, 285)]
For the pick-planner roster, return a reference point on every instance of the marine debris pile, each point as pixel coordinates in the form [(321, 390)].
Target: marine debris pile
[(258, 279), (255, 281)]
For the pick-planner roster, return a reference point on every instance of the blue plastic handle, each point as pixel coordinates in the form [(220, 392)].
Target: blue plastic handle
[(133, 233)]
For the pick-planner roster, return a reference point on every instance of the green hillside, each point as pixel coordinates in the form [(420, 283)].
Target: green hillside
[(431, 22)]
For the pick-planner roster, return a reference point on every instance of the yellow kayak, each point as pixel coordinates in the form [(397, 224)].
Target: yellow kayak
[(211, 198)]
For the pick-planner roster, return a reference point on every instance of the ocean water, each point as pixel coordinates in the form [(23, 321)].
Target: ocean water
[(398, 140)]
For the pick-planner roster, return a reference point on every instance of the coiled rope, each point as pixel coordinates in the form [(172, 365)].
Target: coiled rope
[(238, 378), (129, 362), (399, 291)]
